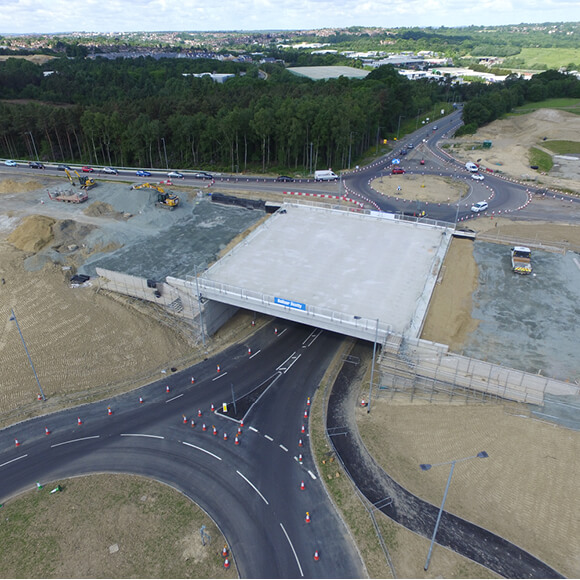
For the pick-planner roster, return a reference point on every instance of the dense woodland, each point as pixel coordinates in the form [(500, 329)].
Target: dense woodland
[(140, 112)]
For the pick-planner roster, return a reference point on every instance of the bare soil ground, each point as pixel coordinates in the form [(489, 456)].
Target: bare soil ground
[(86, 344)]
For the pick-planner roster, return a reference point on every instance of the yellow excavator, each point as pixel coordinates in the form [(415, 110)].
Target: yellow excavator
[(84, 181), (164, 200)]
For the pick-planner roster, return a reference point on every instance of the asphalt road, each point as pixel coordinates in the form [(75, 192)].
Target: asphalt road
[(252, 489)]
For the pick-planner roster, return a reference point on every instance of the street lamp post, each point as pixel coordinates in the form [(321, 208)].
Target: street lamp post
[(399, 125), (33, 145), (165, 151), (426, 467), (350, 146), (13, 317)]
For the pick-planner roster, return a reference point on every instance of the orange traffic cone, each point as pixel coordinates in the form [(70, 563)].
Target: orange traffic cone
[(225, 436), (46, 431), (219, 369), (79, 422), (302, 486), (299, 442), (109, 411), (212, 408), (167, 389), (39, 397), (140, 400), (16, 442), (363, 403), (249, 352), (316, 556), (306, 414), (236, 440), (308, 401), (214, 430), (253, 323), (184, 420), (307, 518), (199, 412), (303, 430), (192, 380), (276, 331), (225, 551), (226, 563), (242, 423), (300, 458), (203, 427), (239, 430), (192, 423)]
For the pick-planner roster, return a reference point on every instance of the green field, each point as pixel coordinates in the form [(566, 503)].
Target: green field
[(552, 58), (562, 147), (563, 103)]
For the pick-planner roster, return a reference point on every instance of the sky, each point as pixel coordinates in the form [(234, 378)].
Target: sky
[(53, 16)]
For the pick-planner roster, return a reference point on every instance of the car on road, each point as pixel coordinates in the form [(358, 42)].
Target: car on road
[(403, 152), (63, 167), (410, 146), (35, 165), (87, 169), (422, 162), (479, 206), (175, 174), (110, 170), (10, 163), (435, 128), (202, 175), (284, 178), (142, 173), (477, 176), (398, 171)]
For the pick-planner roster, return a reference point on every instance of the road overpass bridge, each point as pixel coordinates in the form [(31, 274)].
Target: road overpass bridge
[(363, 274)]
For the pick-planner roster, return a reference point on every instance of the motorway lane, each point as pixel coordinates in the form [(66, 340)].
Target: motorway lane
[(252, 489)]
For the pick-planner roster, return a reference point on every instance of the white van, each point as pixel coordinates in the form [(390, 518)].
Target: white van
[(471, 167), (325, 175)]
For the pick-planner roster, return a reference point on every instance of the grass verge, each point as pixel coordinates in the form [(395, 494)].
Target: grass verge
[(109, 526), (540, 158)]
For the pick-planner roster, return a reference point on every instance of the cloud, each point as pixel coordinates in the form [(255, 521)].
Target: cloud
[(49, 16)]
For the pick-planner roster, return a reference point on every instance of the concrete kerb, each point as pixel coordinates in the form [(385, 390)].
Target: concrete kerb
[(320, 401)]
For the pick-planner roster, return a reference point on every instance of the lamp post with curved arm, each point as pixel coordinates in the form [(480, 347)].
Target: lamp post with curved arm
[(426, 467)]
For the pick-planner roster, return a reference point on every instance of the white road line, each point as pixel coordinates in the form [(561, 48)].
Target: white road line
[(253, 487), (75, 440), (201, 449), (268, 438), (292, 364), (284, 448), (288, 359), (15, 459), (253, 429), (281, 333), (257, 352), (311, 474), (220, 376), (142, 435), (293, 550), (173, 398)]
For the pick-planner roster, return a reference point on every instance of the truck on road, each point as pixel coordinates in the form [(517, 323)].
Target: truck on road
[(325, 175), (521, 260)]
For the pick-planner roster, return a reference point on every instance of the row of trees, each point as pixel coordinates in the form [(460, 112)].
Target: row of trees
[(146, 113)]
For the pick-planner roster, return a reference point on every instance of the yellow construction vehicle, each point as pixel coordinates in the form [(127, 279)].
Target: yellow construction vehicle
[(164, 200), (84, 182)]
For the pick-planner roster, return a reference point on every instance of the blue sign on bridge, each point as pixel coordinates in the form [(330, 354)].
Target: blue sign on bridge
[(289, 303)]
